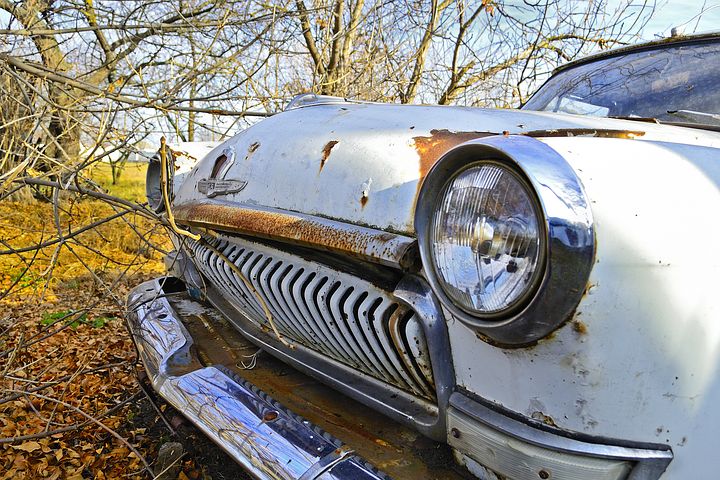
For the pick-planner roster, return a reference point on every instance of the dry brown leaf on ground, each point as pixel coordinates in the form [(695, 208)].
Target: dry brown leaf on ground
[(66, 355)]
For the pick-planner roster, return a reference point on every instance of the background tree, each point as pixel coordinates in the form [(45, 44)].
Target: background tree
[(473, 52), (105, 64), (98, 67)]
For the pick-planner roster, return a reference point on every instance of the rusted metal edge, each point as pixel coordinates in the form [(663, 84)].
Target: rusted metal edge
[(375, 246), (584, 132)]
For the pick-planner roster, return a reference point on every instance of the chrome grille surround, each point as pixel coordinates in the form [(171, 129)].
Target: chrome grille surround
[(331, 312)]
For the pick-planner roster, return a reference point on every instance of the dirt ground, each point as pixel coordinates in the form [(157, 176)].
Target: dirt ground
[(71, 403)]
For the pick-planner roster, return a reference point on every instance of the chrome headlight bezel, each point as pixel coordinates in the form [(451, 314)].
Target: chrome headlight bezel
[(569, 243), (521, 300)]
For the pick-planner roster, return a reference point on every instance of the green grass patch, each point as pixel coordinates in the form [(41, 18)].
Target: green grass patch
[(25, 278), (100, 322), (51, 318), (130, 184)]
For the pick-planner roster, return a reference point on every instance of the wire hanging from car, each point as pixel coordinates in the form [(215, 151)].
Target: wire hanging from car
[(166, 197), (250, 287), (196, 237), (252, 363)]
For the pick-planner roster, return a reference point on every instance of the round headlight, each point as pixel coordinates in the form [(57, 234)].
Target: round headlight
[(487, 240)]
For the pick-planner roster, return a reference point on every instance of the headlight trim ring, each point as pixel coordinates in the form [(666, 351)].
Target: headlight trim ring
[(567, 223)]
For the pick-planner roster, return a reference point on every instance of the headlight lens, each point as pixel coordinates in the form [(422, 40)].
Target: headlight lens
[(487, 240)]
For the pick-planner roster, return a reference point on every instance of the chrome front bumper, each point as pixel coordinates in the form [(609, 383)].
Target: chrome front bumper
[(260, 434)]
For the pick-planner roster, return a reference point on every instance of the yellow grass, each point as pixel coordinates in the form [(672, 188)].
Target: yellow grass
[(131, 184), (111, 249), (45, 341)]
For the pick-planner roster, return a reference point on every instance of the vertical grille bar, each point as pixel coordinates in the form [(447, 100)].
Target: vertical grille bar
[(378, 318), (334, 313), (300, 297)]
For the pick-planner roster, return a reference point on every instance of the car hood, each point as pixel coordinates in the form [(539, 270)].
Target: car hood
[(363, 163)]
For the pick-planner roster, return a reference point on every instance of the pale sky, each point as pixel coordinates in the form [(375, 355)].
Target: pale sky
[(693, 15)]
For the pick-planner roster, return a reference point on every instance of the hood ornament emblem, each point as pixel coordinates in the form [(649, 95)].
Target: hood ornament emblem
[(213, 187), (217, 184)]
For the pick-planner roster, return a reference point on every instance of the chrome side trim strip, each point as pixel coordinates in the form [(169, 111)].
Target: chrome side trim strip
[(268, 440), (649, 463), (368, 244)]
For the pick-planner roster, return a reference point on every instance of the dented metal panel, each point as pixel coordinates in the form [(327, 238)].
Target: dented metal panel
[(363, 163)]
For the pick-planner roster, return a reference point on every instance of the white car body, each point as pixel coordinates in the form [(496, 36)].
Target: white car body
[(634, 368)]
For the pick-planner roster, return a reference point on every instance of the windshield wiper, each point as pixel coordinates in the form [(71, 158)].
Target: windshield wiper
[(697, 117), (701, 120), (635, 119)]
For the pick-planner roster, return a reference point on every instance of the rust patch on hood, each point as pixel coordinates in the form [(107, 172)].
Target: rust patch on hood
[(433, 147), (579, 327), (315, 232), (584, 132), (251, 149), (326, 152)]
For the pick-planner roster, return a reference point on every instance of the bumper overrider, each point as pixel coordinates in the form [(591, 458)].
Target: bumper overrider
[(272, 442)]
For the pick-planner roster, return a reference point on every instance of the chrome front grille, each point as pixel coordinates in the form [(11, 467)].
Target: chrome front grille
[(339, 315)]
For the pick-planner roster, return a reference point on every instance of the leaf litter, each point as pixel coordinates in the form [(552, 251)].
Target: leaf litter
[(70, 403)]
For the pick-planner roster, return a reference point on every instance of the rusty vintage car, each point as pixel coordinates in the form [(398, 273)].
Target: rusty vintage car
[(363, 291)]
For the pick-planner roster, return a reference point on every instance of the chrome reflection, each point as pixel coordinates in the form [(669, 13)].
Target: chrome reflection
[(260, 434)]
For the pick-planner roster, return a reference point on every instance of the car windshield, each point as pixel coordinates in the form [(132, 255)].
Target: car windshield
[(674, 84)]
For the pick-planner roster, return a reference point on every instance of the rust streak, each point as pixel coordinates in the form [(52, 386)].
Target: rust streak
[(281, 225), (433, 147), (251, 149), (579, 327), (326, 152), (541, 417)]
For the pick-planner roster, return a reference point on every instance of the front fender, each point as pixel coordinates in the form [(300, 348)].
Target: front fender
[(639, 359)]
